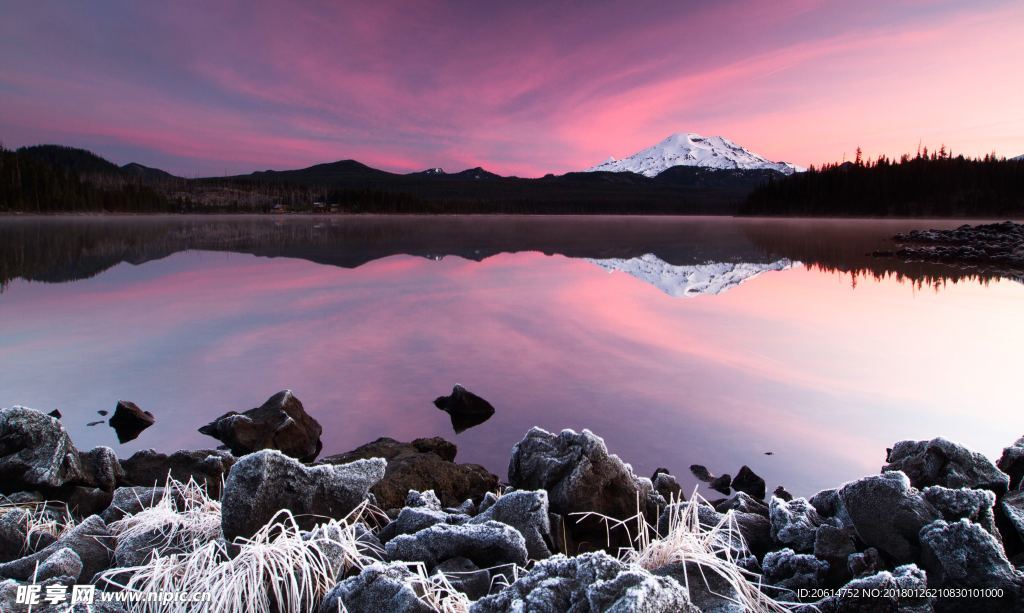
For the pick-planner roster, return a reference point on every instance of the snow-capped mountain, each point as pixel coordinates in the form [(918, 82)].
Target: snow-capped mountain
[(687, 281), (691, 149), (1019, 158)]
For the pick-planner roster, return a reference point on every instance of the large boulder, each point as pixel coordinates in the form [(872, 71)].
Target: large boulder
[(128, 421), (487, 545), (1012, 462), (424, 464), (465, 408), (588, 583), (527, 512), (963, 555), (794, 523), (149, 468), (943, 462), (280, 423), (35, 451), (378, 588), (580, 476), (263, 483), (964, 503), (90, 540), (887, 514), (742, 502)]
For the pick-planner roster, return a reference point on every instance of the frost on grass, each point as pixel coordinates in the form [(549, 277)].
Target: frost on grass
[(281, 567), (704, 558)]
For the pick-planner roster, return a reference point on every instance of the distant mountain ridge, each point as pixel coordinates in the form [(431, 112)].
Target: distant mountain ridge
[(690, 280), (691, 149)]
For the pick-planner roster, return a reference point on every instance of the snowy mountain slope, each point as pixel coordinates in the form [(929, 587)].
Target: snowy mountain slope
[(1019, 158), (692, 150), (686, 281)]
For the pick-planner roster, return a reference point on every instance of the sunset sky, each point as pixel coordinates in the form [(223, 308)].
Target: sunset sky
[(517, 87)]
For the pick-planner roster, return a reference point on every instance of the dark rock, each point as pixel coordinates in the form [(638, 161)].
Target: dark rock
[(94, 423), (83, 501), (62, 563), (964, 503), (35, 451), (487, 544), (590, 582), (466, 577), (280, 423), (887, 514), (901, 591), (378, 588), (1012, 506), (867, 562), (748, 482), (465, 408), (427, 499), (794, 523), (1012, 463), (963, 555), (55, 413), (834, 543), (780, 492), (13, 533), (756, 531), (826, 502), (424, 464), (527, 512), (943, 462), (131, 500), (261, 484), (101, 469), (581, 476), (90, 540), (741, 502), (207, 467), (793, 571), (128, 421), (721, 484), (103, 412), (701, 472)]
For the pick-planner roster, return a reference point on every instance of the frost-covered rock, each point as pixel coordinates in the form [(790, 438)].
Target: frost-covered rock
[(378, 588), (411, 520), (13, 533), (36, 451), (527, 512), (867, 562), (794, 523), (943, 462), (964, 503), (707, 589), (90, 540), (588, 583), (1012, 462), (899, 591), (1012, 507), (62, 563), (793, 571), (834, 543), (743, 502), (131, 500), (101, 469), (963, 555), (487, 545), (466, 577), (667, 485), (261, 484), (887, 514), (826, 502), (280, 423), (581, 476)]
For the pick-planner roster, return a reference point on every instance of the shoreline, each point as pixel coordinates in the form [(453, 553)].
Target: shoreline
[(403, 522)]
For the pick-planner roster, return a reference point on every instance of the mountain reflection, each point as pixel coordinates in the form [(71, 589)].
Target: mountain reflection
[(60, 249)]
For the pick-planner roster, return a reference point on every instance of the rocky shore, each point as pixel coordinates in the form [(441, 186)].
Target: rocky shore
[(400, 526), (997, 247)]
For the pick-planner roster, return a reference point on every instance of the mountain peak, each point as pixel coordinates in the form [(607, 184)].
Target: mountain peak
[(692, 149)]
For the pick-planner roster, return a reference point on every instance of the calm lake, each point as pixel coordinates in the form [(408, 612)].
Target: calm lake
[(678, 340)]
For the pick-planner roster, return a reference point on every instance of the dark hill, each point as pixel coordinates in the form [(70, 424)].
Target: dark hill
[(78, 161)]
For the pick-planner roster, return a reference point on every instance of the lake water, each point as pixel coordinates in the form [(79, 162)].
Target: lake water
[(678, 340)]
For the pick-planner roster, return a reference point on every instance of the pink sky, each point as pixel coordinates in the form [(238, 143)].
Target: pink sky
[(519, 88)]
